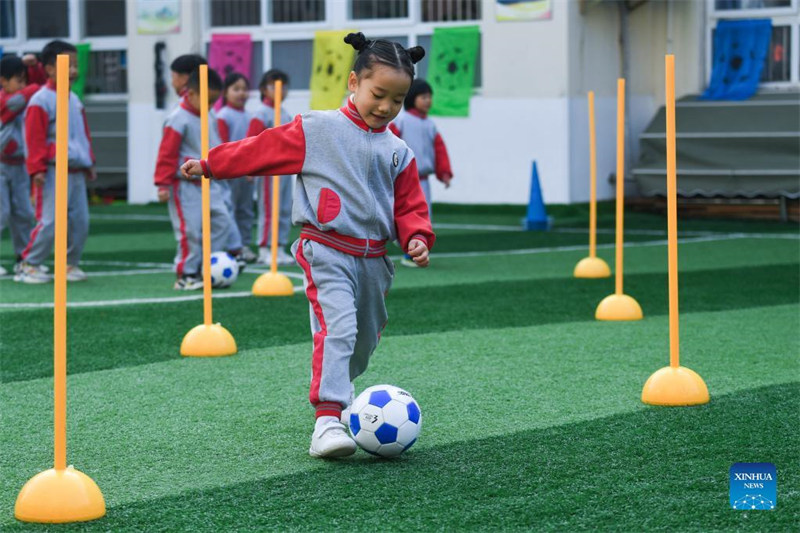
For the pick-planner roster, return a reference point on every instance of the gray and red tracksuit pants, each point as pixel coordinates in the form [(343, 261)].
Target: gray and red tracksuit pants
[(43, 234), (264, 195), (186, 214), (348, 313), (16, 211)]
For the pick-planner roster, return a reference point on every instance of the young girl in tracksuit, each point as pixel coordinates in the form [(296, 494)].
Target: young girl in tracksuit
[(357, 188), (232, 122), (264, 118)]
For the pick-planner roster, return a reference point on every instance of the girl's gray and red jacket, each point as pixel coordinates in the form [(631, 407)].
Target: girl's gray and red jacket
[(357, 188), (232, 123), (419, 132), (40, 132), (181, 142), (12, 118), (264, 118)]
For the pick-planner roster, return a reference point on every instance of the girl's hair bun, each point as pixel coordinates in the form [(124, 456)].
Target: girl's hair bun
[(357, 40), (416, 54)]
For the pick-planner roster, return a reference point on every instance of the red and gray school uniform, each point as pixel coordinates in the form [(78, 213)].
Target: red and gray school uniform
[(264, 118), (420, 134), (180, 142), (357, 189), (232, 123), (40, 141), (16, 211)]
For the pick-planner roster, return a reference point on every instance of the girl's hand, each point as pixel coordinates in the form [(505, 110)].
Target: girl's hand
[(446, 179), (418, 251), (163, 194), (192, 169), (38, 179)]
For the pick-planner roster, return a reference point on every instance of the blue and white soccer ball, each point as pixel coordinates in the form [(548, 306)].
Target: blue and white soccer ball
[(385, 420), (224, 270)]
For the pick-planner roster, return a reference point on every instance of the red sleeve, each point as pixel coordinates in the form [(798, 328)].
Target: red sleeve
[(255, 127), (442, 160), (88, 135), (36, 123), (224, 133), (410, 209), (168, 155), (37, 74), (393, 129), (274, 151), (14, 104)]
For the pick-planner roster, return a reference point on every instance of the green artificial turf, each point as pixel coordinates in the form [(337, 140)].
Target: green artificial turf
[(532, 417)]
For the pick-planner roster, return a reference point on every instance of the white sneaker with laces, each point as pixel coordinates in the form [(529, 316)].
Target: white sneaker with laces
[(32, 274), (248, 255), (330, 439), (264, 255), (75, 273)]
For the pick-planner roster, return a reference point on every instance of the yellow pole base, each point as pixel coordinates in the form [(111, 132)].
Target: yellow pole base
[(675, 386), (273, 284), (618, 307), (208, 341), (592, 267), (60, 496)]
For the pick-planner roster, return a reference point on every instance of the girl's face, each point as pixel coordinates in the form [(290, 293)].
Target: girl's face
[(378, 95), (423, 102), (236, 94)]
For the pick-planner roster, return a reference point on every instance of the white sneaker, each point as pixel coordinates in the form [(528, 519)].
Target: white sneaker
[(330, 439), (408, 262), (248, 255), (285, 258), (3, 271), (74, 273), (32, 274), (264, 255)]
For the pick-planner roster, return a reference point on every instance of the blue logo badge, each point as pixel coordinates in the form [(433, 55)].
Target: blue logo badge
[(754, 486)]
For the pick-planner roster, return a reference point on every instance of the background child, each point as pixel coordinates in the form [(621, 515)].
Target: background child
[(16, 211), (357, 187), (40, 138), (181, 68), (181, 142), (419, 132), (264, 118), (233, 122)]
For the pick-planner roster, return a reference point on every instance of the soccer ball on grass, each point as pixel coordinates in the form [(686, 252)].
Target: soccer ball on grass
[(385, 420)]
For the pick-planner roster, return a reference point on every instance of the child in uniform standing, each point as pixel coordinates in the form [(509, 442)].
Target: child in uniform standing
[(233, 122), (264, 118), (357, 188), (40, 139), (181, 142), (16, 211), (419, 132)]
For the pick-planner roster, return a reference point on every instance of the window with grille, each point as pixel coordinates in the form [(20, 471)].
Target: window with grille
[(378, 9), (294, 58), (730, 5), (104, 18), (296, 11), (47, 18), (777, 66), (235, 12), (450, 10), (8, 19), (107, 72)]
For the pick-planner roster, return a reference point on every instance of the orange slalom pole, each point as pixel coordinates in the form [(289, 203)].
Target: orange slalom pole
[(61, 494), (593, 180), (206, 192), (60, 282), (672, 214), (620, 180), (276, 185)]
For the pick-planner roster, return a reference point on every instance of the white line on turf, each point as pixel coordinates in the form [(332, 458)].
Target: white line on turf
[(153, 218), (132, 301)]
